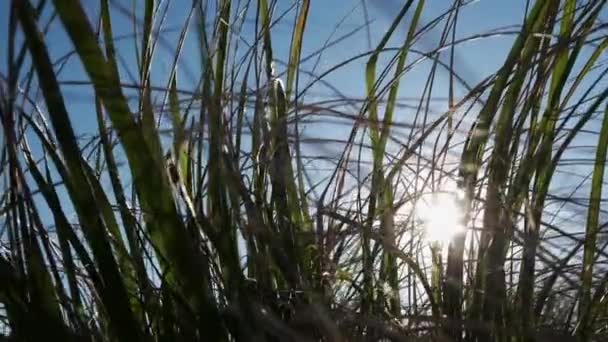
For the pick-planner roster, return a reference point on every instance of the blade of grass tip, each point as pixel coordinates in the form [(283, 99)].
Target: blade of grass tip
[(599, 50), (108, 36), (151, 182), (275, 146), (264, 16), (190, 177), (296, 233), (180, 146), (258, 150), (592, 228), (148, 122), (563, 62), (394, 89), (116, 298), (370, 73), (180, 159), (241, 113), (204, 93), (296, 47), (146, 40)]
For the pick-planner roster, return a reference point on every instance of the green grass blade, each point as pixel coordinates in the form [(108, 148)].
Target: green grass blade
[(472, 154), (592, 228), (378, 155), (188, 272), (296, 48), (115, 298)]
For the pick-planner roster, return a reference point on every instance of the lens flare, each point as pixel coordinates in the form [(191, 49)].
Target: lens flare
[(441, 215)]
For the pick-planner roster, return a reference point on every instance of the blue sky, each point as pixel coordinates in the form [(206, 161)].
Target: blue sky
[(475, 60), (328, 20)]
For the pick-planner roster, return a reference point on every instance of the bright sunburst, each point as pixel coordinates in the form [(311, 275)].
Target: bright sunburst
[(441, 214)]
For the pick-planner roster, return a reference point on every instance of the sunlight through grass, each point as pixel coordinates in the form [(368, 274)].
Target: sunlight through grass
[(441, 214)]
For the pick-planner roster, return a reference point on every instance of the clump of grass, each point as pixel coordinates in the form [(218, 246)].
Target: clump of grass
[(208, 214)]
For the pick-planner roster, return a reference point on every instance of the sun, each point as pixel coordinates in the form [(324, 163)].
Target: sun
[(441, 214)]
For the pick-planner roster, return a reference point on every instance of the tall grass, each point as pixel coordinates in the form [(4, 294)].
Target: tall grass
[(208, 213)]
